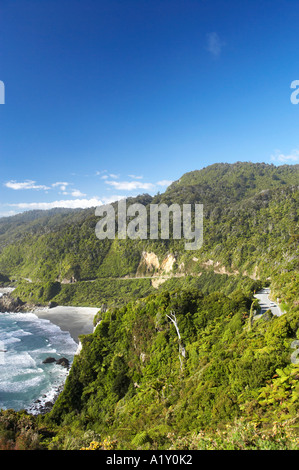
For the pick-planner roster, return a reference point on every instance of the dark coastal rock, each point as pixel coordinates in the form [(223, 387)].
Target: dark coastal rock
[(63, 361), (16, 305), (9, 304), (49, 360)]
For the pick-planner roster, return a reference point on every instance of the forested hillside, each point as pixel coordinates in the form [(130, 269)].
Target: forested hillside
[(176, 370), (177, 359), (176, 367), (250, 227)]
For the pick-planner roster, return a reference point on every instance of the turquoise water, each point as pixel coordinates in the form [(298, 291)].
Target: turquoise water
[(25, 341)]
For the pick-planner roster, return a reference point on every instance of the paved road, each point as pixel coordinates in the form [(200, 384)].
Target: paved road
[(266, 303)]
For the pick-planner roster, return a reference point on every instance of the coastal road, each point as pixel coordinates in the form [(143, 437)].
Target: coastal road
[(266, 303)]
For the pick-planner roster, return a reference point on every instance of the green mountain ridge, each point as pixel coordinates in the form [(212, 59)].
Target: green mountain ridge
[(56, 238), (246, 176)]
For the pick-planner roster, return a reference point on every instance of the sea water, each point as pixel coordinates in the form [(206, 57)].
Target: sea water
[(25, 342)]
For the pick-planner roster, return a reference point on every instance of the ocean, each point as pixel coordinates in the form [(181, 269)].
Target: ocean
[(25, 342)]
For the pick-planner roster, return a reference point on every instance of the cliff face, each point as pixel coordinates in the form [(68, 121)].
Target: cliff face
[(8, 304)]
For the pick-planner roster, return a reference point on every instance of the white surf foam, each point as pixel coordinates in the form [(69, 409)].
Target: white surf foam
[(25, 381)]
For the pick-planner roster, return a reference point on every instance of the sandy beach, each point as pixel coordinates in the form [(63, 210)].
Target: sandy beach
[(76, 320)]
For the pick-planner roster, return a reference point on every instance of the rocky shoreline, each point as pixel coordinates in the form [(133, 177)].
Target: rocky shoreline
[(8, 304), (44, 404), (75, 320), (16, 305)]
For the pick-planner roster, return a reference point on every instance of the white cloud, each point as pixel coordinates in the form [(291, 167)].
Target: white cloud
[(110, 199), (77, 193), (280, 157), (67, 203), (28, 184), (164, 183), (129, 185), (214, 44), (134, 177), (59, 183), (105, 176), (7, 213), (62, 185), (133, 185)]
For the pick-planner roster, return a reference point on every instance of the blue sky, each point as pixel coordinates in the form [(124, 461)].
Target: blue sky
[(111, 98)]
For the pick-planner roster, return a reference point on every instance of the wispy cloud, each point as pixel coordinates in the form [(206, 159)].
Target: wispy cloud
[(66, 203), (69, 204), (214, 44), (104, 174), (130, 185), (134, 177), (61, 184), (77, 193), (7, 213), (281, 157), (28, 184), (133, 185), (164, 182)]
